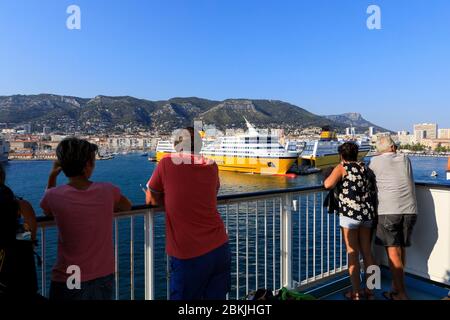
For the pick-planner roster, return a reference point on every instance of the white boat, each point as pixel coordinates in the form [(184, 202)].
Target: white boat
[(163, 148), (323, 153), (251, 152), (105, 157), (4, 150)]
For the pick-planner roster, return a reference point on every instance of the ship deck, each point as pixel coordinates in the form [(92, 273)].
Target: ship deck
[(417, 288)]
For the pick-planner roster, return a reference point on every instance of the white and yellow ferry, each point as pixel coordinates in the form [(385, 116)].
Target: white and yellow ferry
[(252, 152), (163, 148), (323, 153)]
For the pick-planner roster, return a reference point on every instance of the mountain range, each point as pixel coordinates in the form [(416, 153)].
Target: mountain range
[(354, 119), (105, 114)]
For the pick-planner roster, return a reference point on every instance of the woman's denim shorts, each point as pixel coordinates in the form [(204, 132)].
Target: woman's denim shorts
[(349, 223)]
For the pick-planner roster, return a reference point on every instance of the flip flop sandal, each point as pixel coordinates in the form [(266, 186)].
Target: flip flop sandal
[(351, 296), (389, 295)]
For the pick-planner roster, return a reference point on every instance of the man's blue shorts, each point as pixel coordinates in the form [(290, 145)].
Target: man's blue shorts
[(207, 277)]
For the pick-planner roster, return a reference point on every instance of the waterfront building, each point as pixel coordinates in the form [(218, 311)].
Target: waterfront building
[(20, 145), (57, 137), (128, 142), (425, 131), (434, 143), (24, 129), (46, 130), (48, 145), (444, 134), (404, 138), (8, 131)]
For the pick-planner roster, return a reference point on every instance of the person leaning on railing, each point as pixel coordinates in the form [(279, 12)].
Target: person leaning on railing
[(17, 266), (25, 209), (197, 243), (397, 210), (356, 208), (83, 211)]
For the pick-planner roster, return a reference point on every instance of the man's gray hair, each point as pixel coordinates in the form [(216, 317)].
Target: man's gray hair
[(385, 144), (188, 140)]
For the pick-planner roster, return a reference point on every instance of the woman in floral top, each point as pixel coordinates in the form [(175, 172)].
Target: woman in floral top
[(356, 213)]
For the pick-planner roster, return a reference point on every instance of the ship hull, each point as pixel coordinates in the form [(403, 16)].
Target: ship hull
[(247, 165), (160, 155), (253, 165), (327, 161)]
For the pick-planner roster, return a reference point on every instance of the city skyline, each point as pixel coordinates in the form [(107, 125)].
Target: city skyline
[(318, 55)]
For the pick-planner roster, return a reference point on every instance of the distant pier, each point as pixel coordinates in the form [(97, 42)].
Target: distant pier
[(427, 155), (32, 156)]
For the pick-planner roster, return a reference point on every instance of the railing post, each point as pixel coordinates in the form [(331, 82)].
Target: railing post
[(286, 241), (149, 250), (116, 259), (132, 258), (44, 264)]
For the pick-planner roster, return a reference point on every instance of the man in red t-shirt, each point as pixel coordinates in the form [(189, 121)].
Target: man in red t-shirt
[(196, 239)]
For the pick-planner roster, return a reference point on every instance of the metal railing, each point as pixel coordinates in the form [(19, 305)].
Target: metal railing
[(279, 238)]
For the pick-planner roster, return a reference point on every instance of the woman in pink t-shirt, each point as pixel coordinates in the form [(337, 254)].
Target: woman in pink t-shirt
[(83, 211)]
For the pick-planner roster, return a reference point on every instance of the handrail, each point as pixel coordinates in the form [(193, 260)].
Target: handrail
[(247, 195), (256, 194), (220, 198), (433, 185)]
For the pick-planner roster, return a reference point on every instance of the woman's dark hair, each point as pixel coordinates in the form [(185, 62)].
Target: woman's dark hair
[(74, 154), (2, 175), (349, 151), (9, 215)]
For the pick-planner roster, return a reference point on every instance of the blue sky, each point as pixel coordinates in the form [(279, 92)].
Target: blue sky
[(316, 54)]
